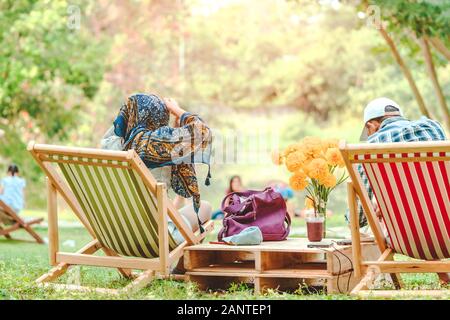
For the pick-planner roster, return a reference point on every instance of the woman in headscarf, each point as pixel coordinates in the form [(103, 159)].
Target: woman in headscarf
[(169, 152)]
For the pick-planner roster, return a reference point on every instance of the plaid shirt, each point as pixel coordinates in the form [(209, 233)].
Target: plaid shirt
[(399, 129)]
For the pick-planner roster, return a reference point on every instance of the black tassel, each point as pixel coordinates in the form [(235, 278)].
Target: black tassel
[(208, 177), (200, 225)]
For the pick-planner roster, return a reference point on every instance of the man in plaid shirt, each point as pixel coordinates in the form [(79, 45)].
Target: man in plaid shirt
[(384, 122)]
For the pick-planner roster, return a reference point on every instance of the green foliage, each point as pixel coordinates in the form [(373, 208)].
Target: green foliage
[(412, 21), (240, 56), (307, 55), (49, 72), (48, 68), (407, 20), (423, 17)]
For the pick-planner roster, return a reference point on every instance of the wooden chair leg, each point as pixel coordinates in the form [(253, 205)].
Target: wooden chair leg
[(396, 280), (365, 282), (53, 273), (395, 277), (126, 273), (140, 282), (73, 287), (62, 267), (404, 294), (354, 228), (33, 233), (7, 235), (163, 235)]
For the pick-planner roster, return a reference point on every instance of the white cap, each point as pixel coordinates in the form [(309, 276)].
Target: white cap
[(377, 108)]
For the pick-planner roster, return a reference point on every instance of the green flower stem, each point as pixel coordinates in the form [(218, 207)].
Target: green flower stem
[(319, 194)]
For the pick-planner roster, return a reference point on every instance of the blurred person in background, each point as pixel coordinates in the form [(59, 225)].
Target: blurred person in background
[(12, 189), (234, 185)]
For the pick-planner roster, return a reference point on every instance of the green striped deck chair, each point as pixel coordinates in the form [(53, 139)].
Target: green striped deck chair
[(120, 204)]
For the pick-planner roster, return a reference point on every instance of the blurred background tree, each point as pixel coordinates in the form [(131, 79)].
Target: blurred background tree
[(424, 24), (285, 67), (49, 72)]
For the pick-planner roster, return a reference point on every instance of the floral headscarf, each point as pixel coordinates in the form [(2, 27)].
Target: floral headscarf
[(143, 124)]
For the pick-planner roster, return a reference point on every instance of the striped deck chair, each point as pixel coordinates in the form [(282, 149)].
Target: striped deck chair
[(10, 222), (411, 185), (121, 205)]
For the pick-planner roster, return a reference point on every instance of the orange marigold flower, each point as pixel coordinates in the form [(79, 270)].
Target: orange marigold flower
[(295, 160), (312, 147), (291, 148), (277, 158), (318, 169), (298, 180), (330, 143), (313, 151), (328, 181), (311, 140), (334, 157)]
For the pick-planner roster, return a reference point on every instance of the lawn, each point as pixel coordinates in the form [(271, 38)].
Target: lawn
[(22, 262)]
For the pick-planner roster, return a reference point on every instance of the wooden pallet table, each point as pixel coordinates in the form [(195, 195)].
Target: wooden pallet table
[(281, 265)]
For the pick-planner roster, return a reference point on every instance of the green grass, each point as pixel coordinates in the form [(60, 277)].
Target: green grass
[(22, 262), (63, 214)]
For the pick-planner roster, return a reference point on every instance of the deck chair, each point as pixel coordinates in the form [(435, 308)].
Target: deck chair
[(411, 184), (10, 222), (121, 205)]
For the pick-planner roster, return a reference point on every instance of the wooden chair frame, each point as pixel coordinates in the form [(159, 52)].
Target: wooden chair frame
[(154, 267), (367, 271), (18, 223)]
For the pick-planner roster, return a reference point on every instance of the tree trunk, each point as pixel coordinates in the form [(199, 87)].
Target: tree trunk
[(406, 72), (434, 79), (440, 46)]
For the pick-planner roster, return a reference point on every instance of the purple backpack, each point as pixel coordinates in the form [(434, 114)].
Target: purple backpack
[(264, 209)]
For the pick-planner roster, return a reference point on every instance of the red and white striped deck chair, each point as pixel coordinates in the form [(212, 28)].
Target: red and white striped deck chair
[(411, 184)]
